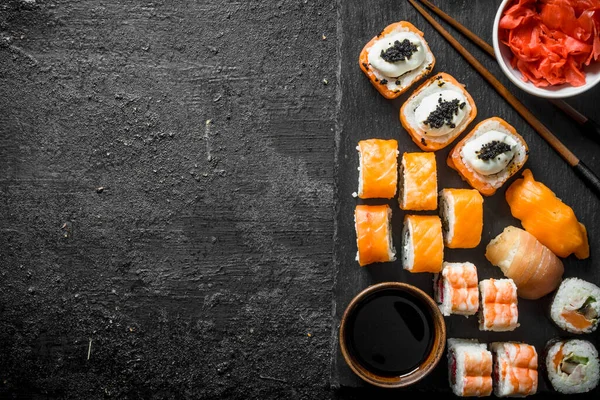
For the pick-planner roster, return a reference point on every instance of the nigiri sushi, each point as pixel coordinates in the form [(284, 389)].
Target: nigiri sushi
[(576, 306), (378, 175), (489, 155), (532, 266), (374, 234), (456, 289), (396, 58), (422, 243), (498, 309), (418, 182), (461, 211), (437, 112), (546, 217), (469, 368), (572, 365), (515, 369)]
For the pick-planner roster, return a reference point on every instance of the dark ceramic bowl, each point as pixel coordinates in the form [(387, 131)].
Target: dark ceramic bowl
[(392, 334)]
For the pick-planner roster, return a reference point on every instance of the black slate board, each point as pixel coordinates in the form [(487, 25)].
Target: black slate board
[(363, 114)]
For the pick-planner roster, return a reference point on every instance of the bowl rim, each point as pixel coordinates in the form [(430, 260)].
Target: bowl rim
[(529, 87), (434, 356)]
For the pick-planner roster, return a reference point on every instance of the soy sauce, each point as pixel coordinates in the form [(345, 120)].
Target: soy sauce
[(389, 333)]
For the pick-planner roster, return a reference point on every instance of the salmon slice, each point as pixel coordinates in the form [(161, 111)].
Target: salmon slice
[(547, 217), (373, 234), (378, 168), (576, 319), (461, 211), (418, 187), (535, 270), (423, 244)]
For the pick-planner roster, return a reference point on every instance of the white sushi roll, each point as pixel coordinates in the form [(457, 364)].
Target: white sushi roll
[(576, 306), (572, 365), (469, 368), (456, 289)]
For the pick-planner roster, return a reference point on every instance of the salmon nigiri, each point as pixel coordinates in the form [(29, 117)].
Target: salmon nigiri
[(378, 168), (422, 243), (374, 234), (535, 269), (546, 217), (418, 187)]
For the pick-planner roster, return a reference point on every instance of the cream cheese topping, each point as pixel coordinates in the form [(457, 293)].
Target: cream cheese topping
[(475, 155), (398, 68), (430, 103)]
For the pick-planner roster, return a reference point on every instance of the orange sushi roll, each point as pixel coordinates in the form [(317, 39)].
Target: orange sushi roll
[(374, 234), (437, 112), (535, 269), (378, 171), (489, 155), (461, 211), (422, 243), (498, 306), (396, 58), (546, 217), (418, 185), (515, 369)]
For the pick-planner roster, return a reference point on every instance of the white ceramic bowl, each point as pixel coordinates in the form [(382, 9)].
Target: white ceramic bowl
[(504, 55)]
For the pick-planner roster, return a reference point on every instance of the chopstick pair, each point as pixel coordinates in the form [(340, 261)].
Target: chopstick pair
[(583, 171), (589, 127)]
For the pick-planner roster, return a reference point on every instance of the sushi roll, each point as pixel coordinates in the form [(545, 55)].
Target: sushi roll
[(498, 309), (374, 234), (534, 268), (489, 155), (396, 58), (461, 211), (422, 243), (576, 306), (572, 365), (456, 289), (515, 369), (437, 112), (547, 218), (418, 182), (469, 368), (378, 170)]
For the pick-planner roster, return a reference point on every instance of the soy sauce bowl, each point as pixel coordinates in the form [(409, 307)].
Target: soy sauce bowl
[(392, 335)]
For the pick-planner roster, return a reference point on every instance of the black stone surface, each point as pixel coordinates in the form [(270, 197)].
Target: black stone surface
[(365, 114), (167, 191)]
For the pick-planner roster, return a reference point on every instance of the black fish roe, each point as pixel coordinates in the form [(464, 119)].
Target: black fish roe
[(398, 83), (492, 149), (399, 51), (383, 81), (423, 142), (443, 113)]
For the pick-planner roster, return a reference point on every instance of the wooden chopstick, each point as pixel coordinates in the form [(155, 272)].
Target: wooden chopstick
[(589, 127), (582, 170)]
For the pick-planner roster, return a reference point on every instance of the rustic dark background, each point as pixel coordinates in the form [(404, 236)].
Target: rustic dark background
[(167, 195)]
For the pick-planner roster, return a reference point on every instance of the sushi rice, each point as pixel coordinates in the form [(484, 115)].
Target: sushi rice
[(572, 365), (576, 306)]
